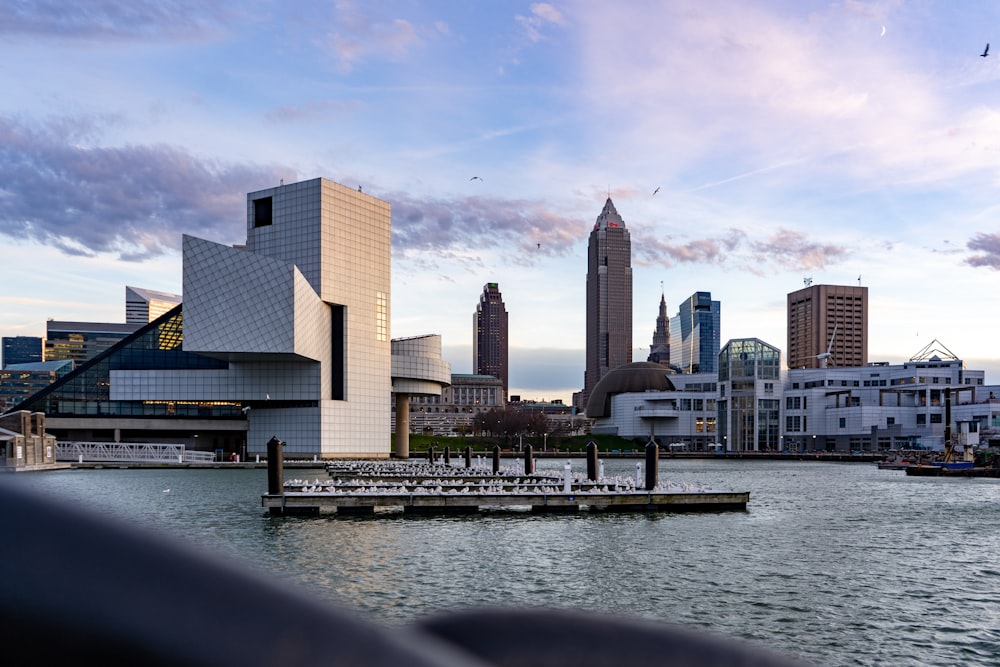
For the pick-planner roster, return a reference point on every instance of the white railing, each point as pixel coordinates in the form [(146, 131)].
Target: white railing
[(129, 451)]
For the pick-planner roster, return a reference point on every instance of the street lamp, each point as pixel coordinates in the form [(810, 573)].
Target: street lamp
[(725, 443), (814, 442)]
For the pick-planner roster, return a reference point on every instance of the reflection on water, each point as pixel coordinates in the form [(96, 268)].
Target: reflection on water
[(837, 563)]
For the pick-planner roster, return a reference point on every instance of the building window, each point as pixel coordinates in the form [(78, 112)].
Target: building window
[(381, 317), (936, 419), (262, 212), (889, 421), (843, 422)]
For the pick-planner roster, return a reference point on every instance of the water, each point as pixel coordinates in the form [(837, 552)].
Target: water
[(838, 564)]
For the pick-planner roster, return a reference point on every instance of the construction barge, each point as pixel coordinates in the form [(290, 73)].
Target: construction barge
[(420, 488)]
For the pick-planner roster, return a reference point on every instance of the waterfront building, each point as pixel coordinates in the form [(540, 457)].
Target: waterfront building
[(417, 372), (22, 350), (644, 401), (452, 411), (142, 306), (82, 341), (754, 405), (25, 444), (828, 326), (695, 334), (287, 336), (880, 406), (659, 350), (609, 299), (489, 337), (19, 381), (749, 402)]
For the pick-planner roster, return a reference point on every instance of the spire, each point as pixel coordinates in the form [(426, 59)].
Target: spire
[(659, 351), (609, 217)]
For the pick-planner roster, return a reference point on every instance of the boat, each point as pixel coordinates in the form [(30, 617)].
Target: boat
[(899, 460)]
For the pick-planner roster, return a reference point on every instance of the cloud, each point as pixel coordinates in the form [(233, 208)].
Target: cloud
[(360, 36), (61, 189), (783, 250), (542, 13), (989, 246), (789, 249), (312, 111), (114, 20), (482, 223)]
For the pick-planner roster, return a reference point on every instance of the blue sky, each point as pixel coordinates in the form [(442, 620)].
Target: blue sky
[(788, 140)]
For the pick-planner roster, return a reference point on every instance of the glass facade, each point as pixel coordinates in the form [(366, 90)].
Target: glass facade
[(750, 417), (695, 334), (21, 350), (157, 346)]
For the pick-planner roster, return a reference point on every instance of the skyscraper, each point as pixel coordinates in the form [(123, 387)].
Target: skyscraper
[(22, 350), (489, 342), (609, 298), (659, 351), (695, 334), (828, 318), (142, 306)]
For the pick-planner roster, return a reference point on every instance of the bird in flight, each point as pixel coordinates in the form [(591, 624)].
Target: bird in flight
[(986, 51), (475, 178), (656, 190)]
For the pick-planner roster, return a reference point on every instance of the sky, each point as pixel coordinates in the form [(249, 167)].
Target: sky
[(837, 142)]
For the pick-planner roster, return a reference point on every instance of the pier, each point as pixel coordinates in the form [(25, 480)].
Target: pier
[(414, 487)]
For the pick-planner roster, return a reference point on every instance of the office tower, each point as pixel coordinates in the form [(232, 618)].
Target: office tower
[(142, 306), (695, 335), (609, 298), (22, 350), (489, 342), (82, 341), (659, 351), (828, 319)]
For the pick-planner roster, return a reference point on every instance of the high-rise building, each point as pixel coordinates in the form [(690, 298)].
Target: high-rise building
[(489, 342), (82, 341), (22, 350), (695, 334), (659, 351), (142, 306), (609, 299), (828, 326)]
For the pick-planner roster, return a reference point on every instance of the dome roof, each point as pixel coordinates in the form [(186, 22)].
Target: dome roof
[(630, 378)]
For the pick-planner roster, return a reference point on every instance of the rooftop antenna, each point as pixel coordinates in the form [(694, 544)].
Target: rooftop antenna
[(808, 281), (859, 281)]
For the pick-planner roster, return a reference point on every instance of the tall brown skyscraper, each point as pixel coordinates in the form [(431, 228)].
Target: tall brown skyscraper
[(609, 298), (489, 343), (824, 318)]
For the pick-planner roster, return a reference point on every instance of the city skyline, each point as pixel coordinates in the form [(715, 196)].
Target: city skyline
[(749, 147)]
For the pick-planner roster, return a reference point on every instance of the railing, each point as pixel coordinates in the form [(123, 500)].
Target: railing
[(129, 451)]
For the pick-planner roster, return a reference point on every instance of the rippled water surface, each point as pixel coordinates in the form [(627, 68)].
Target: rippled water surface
[(838, 564)]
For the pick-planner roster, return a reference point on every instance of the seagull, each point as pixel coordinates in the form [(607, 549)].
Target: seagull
[(475, 178), (166, 490), (656, 190), (986, 51)]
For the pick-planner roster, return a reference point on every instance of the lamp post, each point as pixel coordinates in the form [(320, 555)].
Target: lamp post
[(725, 443), (814, 442)]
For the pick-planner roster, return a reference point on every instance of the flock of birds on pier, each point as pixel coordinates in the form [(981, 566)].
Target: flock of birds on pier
[(392, 478)]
